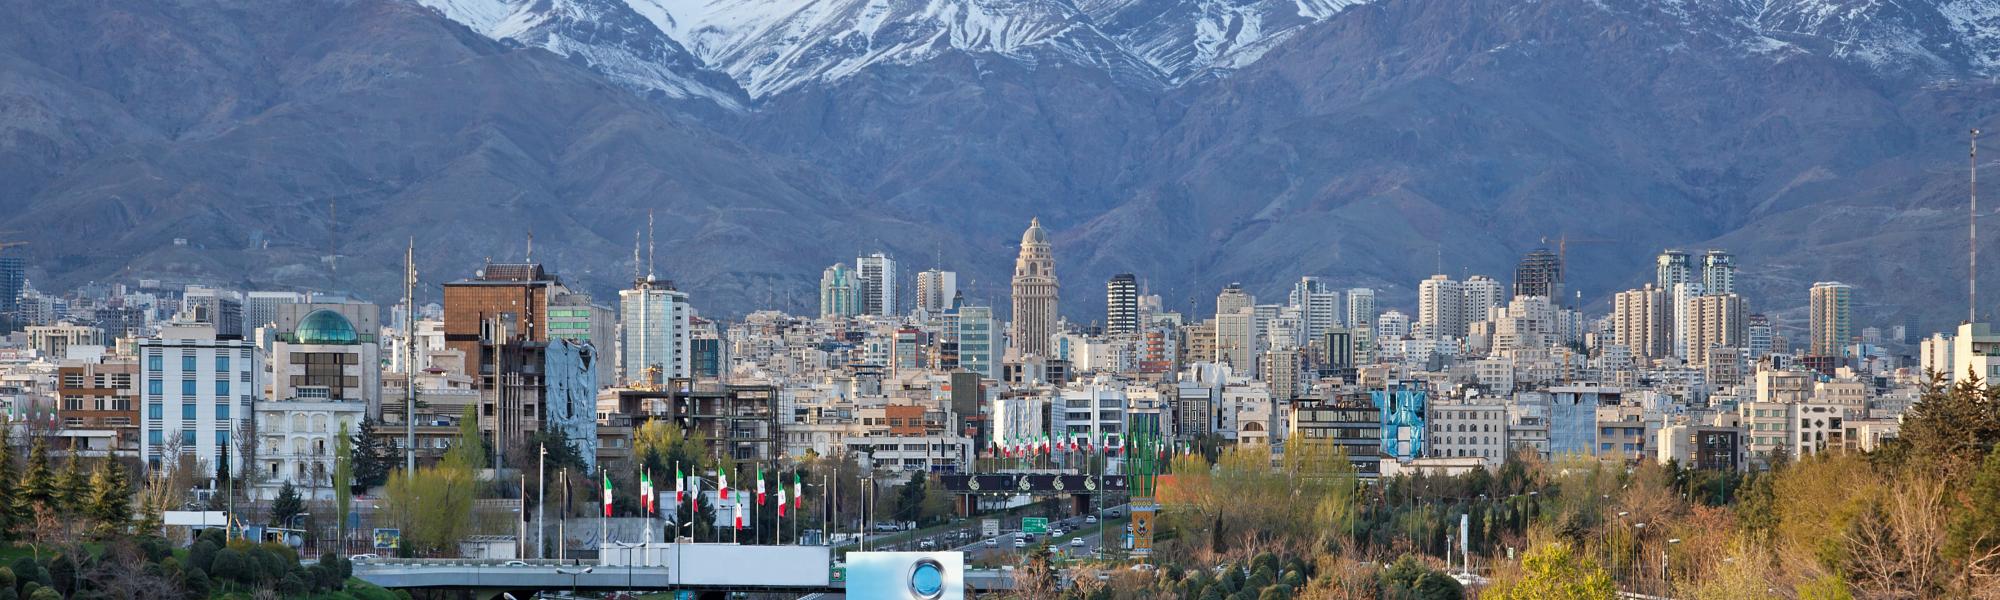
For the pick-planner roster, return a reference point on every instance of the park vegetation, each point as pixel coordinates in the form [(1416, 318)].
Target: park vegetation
[(1918, 517)]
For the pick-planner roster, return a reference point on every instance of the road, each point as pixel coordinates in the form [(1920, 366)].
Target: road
[(1079, 539)]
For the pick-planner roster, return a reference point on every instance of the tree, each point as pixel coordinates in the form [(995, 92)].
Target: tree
[(286, 506), (1955, 425), (108, 501), (433, 506), (1411, 579), (230, 565), (343, 483), (1553, 571), (1975, 532), (36, 482), (373, 459), (910, 499), (69, 487)]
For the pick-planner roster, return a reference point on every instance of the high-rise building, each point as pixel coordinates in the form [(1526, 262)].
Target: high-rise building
[(877, 289), (196, 391), (1360, 307), (216, 307), (260, 309), (1539, 274), (1440, 308), (1236, 339), (1832, 318), (1121, 304), (1671, 268), (1758, 337), (13, 279), (839, 292), (1035, 289), (935, 289), (979, 348), (503, 302), (657, 334), (1679, 320), (1318, 305), (1718, 272), (1392, 325), (1481, 294), (575, 317), (1233, 299), (1974, 351), (1639, 321), (1715, 321)]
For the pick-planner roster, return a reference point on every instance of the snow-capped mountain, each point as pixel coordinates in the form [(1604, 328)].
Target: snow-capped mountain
[(1184, 38), (605, 34), (1944, 37), (770, 46)]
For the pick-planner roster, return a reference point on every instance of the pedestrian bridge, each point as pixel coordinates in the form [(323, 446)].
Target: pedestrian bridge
[(707, 570)]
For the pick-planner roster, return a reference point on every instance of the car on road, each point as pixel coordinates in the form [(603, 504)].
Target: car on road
[(1020, 543), (1090, 520), (928, 544), (993, 542), (363, 557), (1076, 542), (515, 563)]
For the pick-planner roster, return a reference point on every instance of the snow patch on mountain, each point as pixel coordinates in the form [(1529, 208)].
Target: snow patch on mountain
[(604, 34), (1186, 38)]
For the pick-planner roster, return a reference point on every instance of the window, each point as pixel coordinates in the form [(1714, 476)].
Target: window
[(155, 387), (153, 363), (222, 438), (155, 411), (187, 363), (187, 437), (222, 389), (221, 412), (154, 437), (187, 388), (221, 363), (187, 411)]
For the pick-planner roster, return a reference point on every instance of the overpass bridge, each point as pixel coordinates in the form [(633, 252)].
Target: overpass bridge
[(707, 570)]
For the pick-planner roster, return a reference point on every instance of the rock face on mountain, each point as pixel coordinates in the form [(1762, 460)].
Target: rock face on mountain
[(1195, 142)]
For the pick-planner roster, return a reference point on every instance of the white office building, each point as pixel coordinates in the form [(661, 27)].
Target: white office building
[(196, 394)]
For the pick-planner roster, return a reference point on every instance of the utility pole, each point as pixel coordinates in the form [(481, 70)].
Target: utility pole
[(541, 510), (1972, 241), (410, 362)]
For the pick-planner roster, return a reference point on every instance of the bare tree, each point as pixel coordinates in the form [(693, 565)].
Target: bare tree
[(1898, 550)]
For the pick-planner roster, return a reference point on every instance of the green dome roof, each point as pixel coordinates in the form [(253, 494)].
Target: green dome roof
[(326, 327)]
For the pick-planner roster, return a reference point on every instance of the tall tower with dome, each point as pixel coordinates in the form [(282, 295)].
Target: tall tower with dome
[(1035, 289)]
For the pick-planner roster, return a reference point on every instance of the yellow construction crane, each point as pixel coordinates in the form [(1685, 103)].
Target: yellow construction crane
[(1562, 246)]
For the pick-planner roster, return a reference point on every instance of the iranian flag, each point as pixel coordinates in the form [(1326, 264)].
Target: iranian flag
[(798, 491), (646, 492), (781, 495), (760, 485), (723, 474), (607, 494), (738, 512), (680, 485)]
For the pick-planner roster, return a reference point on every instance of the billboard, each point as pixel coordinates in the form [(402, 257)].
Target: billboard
[(906, 575)]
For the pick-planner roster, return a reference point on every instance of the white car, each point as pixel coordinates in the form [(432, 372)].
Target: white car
[(1076, 542), (1020, 543), (1090, 520), (993, 542)]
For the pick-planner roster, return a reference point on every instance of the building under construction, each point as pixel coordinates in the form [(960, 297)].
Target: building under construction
[(736, 422)]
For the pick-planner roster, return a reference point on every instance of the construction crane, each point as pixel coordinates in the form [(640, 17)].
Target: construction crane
[(1562, 246), (6, 245)]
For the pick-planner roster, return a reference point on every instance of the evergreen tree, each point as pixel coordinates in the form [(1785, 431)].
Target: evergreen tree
[(7, 481), (109, 500), (343, 482), (68, 488), (373, 459), (287, 506), (35, 484)]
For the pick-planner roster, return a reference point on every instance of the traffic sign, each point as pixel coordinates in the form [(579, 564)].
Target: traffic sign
[(1034, 525), (989, 527)]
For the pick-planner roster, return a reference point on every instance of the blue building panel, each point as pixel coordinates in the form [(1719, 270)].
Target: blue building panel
[(571, 396), (1404, 429)]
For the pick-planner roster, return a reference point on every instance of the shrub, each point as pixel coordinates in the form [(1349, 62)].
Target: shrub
[(195, 583), (202, 556), (292, 586), (46, 594), (230, 565)]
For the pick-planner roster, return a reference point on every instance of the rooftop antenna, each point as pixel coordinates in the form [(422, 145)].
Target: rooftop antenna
[(531, 246), (638, 268), (1440, 258), (410, 359), (649, 244), (1972, 246)]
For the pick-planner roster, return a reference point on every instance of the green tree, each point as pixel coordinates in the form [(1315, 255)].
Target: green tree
[(1975, 531), (7, 482), (286, 506), (195, 584), (1411, 579), (68, 488), (36, 483), (230, 565), (433, 507), (1956, 424), (343, 483), (373, 458), (1553, 571), (108, 502)]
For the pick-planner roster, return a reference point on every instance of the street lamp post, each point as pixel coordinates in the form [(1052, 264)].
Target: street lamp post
[(572, 577)]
